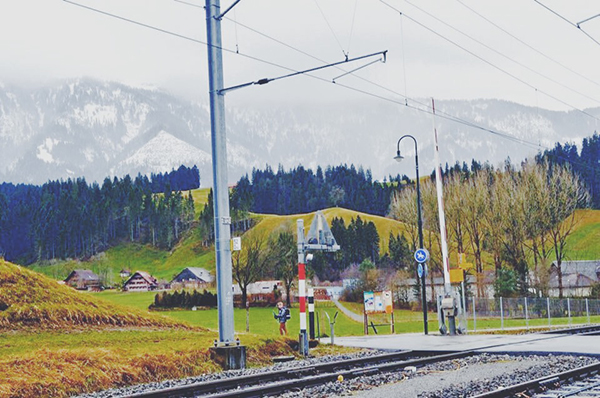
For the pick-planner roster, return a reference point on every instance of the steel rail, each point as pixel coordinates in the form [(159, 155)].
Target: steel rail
[(529, 387), (286, 379)]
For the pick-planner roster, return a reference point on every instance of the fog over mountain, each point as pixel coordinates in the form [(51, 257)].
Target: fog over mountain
[(90, 128)]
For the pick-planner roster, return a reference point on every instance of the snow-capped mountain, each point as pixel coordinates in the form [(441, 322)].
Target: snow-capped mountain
[(96, 129)]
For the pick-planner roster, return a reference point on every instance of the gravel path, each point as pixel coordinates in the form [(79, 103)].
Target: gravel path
[(452, 379), (352, 315), (126, 391), (462, 377)]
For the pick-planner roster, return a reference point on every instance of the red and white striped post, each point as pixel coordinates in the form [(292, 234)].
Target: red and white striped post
[(303, 338)]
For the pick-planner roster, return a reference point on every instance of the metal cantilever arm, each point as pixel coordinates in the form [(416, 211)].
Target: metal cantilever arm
[(267, 80)]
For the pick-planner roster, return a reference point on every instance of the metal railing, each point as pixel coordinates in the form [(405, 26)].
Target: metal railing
[(500, 313)]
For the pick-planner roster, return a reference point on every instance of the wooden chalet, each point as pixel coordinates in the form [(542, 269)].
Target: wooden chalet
[(83, 279), (140, 281)]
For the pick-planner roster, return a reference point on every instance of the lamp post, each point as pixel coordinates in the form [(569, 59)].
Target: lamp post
[(399, 158)]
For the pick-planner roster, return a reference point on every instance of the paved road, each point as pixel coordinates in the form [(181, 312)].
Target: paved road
[(557, 343)]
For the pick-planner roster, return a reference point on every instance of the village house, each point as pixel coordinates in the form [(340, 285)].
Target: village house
[(83, 279), (260, 291), (140, 281), (578, 277), (192, 277)]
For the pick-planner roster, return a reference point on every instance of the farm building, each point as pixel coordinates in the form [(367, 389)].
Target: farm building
[(193, 277), (260, 292), (83, 279), (140, 281)]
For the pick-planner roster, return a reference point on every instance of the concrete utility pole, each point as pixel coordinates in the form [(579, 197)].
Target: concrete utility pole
[(233, 357)]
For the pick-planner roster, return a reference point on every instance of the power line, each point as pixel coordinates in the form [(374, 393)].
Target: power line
[(502, 54), (489, 63), (443, 115), (526, 44), (569, 22), (352, 25), (330, 28)]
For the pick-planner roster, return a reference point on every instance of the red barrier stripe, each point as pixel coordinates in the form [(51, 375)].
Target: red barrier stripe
[(302, 304), (301, 271)]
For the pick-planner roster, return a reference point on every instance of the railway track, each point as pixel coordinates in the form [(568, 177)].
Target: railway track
[(279, 381), (572, 383)]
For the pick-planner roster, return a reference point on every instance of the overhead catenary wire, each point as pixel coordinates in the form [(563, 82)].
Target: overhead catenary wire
[(527, 44), (503, 55), (373, 95), (331, 29), (352, 26), (567, 21), (488, 62)]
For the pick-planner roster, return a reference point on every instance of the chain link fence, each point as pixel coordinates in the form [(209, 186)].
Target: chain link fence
[(483, 313)]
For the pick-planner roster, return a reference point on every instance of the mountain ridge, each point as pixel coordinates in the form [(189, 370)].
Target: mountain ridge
[(84, 127)]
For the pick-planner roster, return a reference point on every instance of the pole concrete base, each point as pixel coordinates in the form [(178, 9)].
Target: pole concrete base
[(229, 357), (452, 325)]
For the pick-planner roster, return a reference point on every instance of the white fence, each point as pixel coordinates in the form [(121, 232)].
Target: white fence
[(519, 312)]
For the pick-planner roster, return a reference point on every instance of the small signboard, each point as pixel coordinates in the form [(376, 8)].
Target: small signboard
[(421, 256), (456, 275), (378, 302), (236, 244), (387, 302), (369, 299)]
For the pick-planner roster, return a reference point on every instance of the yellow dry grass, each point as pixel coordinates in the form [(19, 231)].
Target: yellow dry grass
[(30, 300)]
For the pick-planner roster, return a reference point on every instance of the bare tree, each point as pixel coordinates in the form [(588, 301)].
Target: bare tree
[(404, 209), (566, 194), (474, 196), (249, 263)]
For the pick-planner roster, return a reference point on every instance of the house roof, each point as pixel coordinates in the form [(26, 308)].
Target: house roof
[(146, 276), (201, 273), (588, 268), (83, 274)]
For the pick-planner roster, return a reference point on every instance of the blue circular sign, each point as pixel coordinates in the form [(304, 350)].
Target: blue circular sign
[(421, 256), (420, 270)]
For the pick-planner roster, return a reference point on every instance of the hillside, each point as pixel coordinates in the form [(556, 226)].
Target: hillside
[(93, 128), (29, 300), (190, 252), (583, 244)]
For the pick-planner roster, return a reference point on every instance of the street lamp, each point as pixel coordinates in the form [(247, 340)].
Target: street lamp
[(399, 158)]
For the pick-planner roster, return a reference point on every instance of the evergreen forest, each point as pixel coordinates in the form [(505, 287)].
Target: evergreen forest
[(75, 219)]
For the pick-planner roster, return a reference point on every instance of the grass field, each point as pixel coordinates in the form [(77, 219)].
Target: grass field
[(58, 342), (262, 322)]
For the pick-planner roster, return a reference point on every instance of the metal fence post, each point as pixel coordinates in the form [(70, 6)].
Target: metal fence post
[(474, 316), (501, 315), (569, 309), (526, 314), (587, 311), (548, 309)]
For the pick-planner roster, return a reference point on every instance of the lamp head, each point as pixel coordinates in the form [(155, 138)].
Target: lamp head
[(398, 157)]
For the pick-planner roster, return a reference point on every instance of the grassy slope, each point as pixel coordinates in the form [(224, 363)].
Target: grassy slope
[(584, 243), (35, 301), (190, 252), (58, 342)]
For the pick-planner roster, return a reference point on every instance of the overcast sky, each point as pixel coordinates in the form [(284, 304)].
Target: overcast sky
[(43, 40)]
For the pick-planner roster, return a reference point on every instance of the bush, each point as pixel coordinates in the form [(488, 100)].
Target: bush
[(184, 299)]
